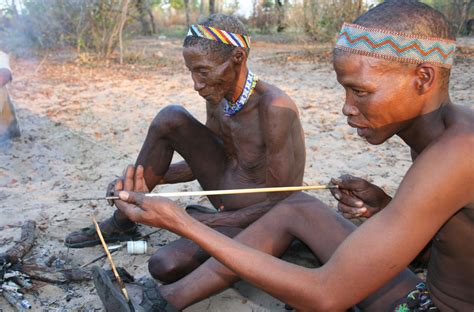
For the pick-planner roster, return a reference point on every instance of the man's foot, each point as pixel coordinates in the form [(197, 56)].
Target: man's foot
[(111, 229), (144, 294)]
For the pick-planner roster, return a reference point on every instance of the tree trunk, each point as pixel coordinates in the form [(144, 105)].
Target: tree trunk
[(152, 20), (281, 25), (123, 20), (212, 7), (142, 11), (186, 9), (464, 9), (201, 8), (13, 8)]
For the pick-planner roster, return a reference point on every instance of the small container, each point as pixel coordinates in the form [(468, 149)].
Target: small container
[(137, 247)]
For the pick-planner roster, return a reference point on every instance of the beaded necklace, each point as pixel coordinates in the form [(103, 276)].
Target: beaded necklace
[(230, 108)]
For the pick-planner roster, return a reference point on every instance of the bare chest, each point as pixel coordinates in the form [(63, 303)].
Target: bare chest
[(243, 138)]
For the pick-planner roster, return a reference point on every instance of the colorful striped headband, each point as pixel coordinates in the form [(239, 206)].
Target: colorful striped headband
[(219, 35), (391, 45)]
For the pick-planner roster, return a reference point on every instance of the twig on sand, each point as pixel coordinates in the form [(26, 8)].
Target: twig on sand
[(112, 264)]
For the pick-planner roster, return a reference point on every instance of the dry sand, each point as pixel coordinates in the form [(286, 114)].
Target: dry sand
[(83, 124)]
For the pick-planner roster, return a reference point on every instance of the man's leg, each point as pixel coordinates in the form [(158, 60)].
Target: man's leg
[(173, 129), (180, 257), (299, 216)]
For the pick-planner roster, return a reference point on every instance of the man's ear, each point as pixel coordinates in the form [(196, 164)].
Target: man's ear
[(238, 55), (425, 77)]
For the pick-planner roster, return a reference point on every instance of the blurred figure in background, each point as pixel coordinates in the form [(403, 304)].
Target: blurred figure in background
[(9, 127)]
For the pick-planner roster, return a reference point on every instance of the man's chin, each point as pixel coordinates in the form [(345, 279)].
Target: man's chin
[(213, 100), (375, 139)]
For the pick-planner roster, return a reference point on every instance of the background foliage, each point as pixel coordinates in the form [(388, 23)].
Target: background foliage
[(95, 26)]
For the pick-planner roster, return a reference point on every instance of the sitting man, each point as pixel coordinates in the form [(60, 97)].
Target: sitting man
[(252, 138), (394, 64), (9, 128)]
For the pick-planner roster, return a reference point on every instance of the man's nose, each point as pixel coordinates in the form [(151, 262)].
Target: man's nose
[(198, 85), (349, 109)]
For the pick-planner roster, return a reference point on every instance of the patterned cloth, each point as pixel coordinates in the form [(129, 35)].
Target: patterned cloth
[(230, 108), (219, 35), (391, 45), (417, 300)]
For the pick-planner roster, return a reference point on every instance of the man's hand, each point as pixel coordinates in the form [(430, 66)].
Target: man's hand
[(136, 178), (358, 197), (154, 211)]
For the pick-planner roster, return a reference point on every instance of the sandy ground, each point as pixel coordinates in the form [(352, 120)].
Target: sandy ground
[(83, 124)]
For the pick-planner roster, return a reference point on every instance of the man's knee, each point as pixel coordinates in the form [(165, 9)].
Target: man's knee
[(299, 204), (163, 267), (170, 119)]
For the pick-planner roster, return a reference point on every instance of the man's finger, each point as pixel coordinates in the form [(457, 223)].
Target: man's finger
[(350, 183), (110, 192), (129, 175), (139, 178), (133, 198), (133, 212), (350, 200), (356, 211), (118, 186)]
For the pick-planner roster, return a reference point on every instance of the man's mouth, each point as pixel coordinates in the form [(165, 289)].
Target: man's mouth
[(361, 130)]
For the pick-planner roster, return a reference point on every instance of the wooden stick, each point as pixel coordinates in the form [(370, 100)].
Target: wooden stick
[(112, 264), (224, 192)]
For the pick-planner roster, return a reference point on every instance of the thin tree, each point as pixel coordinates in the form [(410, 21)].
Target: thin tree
[(212, 6), (141, 9), (186, 10), (123, 19)]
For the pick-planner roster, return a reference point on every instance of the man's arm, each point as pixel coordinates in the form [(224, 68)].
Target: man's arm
[(284, 142), (237, 218), (178, 173), (363, 262)]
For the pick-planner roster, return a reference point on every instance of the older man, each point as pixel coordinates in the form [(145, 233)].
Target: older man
[(252, 138)]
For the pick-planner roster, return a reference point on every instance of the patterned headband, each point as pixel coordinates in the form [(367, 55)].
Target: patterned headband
[(219, 35), (391, 45)]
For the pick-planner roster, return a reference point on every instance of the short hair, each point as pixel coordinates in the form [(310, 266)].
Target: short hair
[(221, 21), (410, 17)]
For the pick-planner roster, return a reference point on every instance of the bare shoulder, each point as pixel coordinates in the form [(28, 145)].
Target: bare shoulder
[(273, 100), (449, 158), (459, 134)]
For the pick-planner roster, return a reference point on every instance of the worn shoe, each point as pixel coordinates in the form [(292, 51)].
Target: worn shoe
[(113, 300), (112, 232)]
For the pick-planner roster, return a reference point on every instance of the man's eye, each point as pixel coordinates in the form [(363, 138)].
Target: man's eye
[(360, 92)]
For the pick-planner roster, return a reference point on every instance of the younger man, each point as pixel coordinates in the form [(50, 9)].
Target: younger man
[(394, 64)]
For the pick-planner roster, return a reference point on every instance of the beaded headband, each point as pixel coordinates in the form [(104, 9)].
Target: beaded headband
[(219, 35), (391, 45)]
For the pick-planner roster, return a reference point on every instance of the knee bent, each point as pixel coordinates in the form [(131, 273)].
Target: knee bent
[(163, 268), (170, 118)]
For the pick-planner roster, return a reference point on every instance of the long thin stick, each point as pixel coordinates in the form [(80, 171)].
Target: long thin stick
[(112, 264), (223, 192)]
